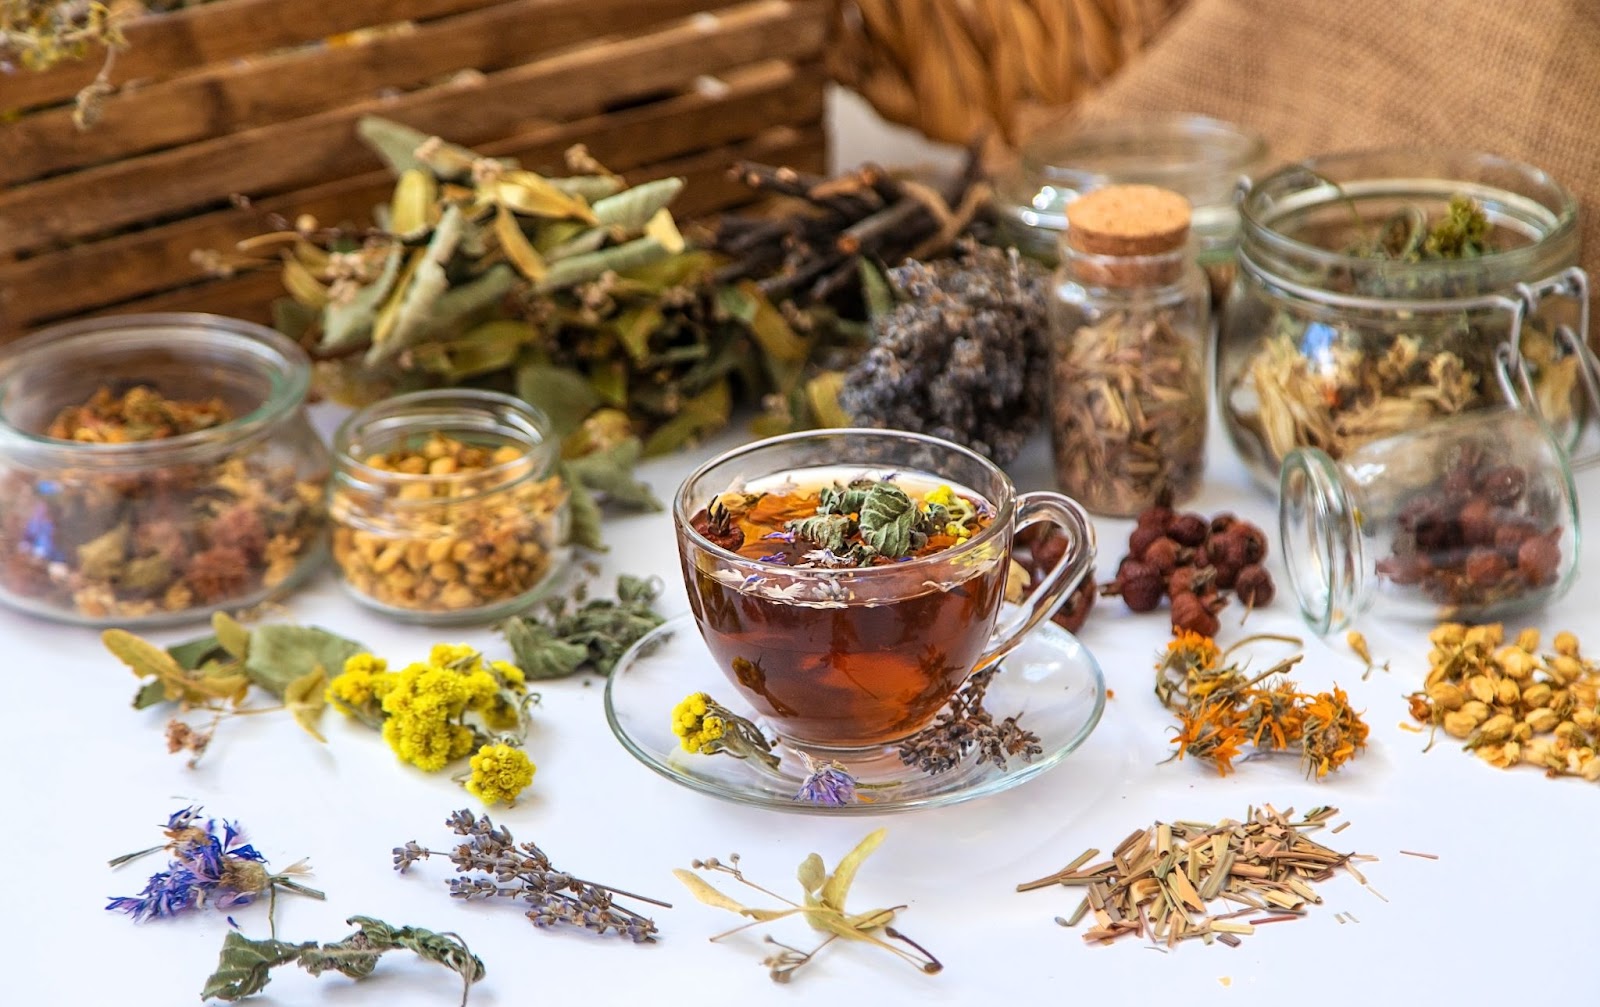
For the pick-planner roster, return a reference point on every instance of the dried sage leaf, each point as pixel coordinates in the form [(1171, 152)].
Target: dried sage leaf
[(244, 965), (633, 208)]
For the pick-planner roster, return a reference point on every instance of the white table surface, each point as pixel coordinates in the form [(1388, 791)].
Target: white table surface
[(1506, 912)]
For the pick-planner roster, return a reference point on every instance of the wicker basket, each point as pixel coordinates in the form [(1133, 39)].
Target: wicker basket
[(955, 69), (260, 98)]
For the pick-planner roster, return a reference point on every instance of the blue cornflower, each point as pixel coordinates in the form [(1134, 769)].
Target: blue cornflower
[(223, 870), (828, 785), (783, 536), (775, 557), (40, 534)]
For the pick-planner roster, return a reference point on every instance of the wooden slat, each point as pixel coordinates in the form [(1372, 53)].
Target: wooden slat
[(162, 45), (278, 158), (116, 269), (250, 295), (235, 96)]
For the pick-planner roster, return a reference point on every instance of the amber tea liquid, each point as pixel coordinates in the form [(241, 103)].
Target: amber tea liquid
[(831, 669)]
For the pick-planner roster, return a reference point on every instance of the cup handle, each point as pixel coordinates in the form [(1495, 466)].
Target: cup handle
[(1046, 597)]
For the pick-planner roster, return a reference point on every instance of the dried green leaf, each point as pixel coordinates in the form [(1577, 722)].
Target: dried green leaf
[(397, 145), (812, 874), (583, 514), (350, 322), (889, 520), (619, 258), (582, 243), (603, 628), (561, 394), (827, 531), (766, 323), (305, 288), (283, 653), (633, 208), (193, 654), (486, 349), (244, 965), (532, 195), (516, 246), (590, 188), (700, 415), (414, 315), (665, 231), (150, 694), (306, 698), (705, 892), (539, 652), (875, 290), (231, 635), (838, 885), (822, 397), (148, 660), (635, 326), (610, 472), (413, 208)]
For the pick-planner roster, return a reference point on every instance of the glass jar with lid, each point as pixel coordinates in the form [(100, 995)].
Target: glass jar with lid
[(1129, 326), (1380, 290), (447, 506), (1201, 158), (1469, 519), (156, 468)]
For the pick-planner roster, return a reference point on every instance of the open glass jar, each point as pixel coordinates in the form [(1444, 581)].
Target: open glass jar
[(155, 468), (1468, 519), (1201, 158), (1324, 345), (447, 506)]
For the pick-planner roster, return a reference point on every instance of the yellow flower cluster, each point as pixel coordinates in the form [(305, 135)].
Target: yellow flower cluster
[(499, 773), (698, 729), (942, 495), (423, 705)]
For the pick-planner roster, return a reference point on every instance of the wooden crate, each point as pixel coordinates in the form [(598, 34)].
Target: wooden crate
[(260, 98)]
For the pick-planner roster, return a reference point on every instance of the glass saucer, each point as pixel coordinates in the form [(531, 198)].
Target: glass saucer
[(1050, 678)]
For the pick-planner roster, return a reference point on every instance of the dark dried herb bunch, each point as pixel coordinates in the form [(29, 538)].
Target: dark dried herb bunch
[(964, 727), (961, 356), (508, 869)]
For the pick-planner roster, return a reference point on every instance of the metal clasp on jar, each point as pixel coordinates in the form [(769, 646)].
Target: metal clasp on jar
[(1516, 376)]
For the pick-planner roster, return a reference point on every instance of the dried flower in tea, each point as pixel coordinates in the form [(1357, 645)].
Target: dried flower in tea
[(491, 864), (244, 966), (823, 908), (222, 870), (1161, 881), (1512, 704)]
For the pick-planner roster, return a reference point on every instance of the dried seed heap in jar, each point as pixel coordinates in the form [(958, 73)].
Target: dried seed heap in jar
[(1128, 336), (1160, 881), (1512, 704), (471, 530), (1475, 539)]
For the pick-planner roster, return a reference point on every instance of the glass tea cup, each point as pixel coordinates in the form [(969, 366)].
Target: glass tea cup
[(843, 660)]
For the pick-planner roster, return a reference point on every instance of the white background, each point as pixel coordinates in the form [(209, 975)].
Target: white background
[(1507, 913)]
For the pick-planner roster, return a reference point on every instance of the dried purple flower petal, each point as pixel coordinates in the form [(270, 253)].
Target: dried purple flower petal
[(829, 785)]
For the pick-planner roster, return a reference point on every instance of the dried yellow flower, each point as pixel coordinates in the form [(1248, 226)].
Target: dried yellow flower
[(1528, 640), (1566, 644), (1459, 725), (1448, 695)]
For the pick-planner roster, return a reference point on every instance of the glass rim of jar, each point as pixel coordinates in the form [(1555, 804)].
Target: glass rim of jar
[(79, 343), (1221, 148), (1307, 183), (1004, 510), (510, 415)]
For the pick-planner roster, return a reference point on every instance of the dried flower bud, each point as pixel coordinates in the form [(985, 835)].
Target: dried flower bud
[(1504, 485), (1542, 720), (1479, 687), (1446, 695), (1565, 644), (1497, 727), (1506, 692), (1528, 640), (1586, 719), (1536, 695), (1190, 613), (1476, 710), (1563, 669), (1459, 725), (1447, 634), (1522, 731), (1254, 586), (1485, 637), (1189, 530)]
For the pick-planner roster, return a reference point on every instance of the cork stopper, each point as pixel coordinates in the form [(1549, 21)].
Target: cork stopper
[(1128, 220)]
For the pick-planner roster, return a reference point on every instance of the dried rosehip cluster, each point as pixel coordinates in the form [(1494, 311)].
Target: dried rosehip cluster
[(1038, 548), (1470, 542), (1193, 562)]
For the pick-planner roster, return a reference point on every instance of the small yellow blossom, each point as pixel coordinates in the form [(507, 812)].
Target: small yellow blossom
[(499, 774), (941, 495), (509, 673), (457, 654), (360, 685), (697, 731)]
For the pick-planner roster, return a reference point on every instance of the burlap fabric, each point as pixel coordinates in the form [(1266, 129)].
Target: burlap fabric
[(1518, 78)]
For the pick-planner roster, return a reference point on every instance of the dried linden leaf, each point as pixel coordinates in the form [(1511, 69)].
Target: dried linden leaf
[(516, 245), (838, 884), (306, 698), (231, 635)]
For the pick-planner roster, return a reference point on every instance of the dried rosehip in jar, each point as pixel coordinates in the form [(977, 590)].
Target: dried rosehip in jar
[(1505, 485), (1539, 559)]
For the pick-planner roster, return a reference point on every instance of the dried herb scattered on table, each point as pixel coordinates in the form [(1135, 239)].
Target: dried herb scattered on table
[(1221, 709), (244, 966), (823, 907), (1162, 882), (129, 544), (964, 727), (214, 674), (490, 864), (1512, 704), (581, 633)]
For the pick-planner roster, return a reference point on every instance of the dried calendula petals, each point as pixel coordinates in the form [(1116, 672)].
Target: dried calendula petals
[(1512, 704)]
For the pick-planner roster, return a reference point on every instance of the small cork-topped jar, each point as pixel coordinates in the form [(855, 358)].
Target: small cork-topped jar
[(1129, 321)]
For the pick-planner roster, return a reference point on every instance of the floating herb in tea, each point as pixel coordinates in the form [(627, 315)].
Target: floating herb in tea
[(244, 967), (823, 907), (1512, 703), (1161, 882), (490, 864)]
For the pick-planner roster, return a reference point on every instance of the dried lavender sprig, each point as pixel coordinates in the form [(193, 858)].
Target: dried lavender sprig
[(522, 870), (965, 726)]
